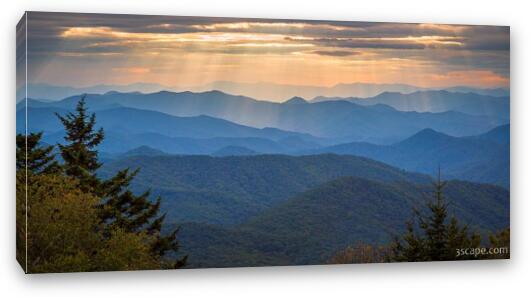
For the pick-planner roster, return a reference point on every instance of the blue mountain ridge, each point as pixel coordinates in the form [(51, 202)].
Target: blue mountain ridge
[(339, 121), (482, 158), (435, 101)]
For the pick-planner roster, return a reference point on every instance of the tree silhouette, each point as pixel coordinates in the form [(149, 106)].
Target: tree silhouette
[(33, 156), (433, 236), (120, 207)]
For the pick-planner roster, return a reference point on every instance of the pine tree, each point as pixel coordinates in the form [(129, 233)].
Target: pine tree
[(434, 226), (79, 154), (408, 248), (37, 158), (433, 236), (501, 240), (120, 207)]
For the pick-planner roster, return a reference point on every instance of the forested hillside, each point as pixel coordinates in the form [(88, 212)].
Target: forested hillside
[(229, 190), (311, 226)]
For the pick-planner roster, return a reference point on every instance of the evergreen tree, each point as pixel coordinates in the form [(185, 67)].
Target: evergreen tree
[(433, 236), (409, 248), (434, 226), (501, 240), (120, 207), (79, 154), (37, 158)]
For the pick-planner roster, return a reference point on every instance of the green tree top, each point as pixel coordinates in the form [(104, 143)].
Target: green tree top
[(79, 154), (37, 158)]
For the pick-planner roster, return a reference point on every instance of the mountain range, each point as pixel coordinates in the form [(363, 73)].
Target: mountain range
[(484, 158), (436, 101), (417, 141), (337, 121), (260, 90), (177, 135), (146, 121), (278, 92), (252, 182), (49, 92)]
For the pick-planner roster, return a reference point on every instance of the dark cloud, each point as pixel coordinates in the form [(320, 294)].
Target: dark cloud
[(488, 43), (363, 43), (496, 62), (335, 53)]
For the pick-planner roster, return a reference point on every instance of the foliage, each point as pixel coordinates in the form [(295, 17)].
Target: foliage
[(36, 158), (500, 239), (360, 253), (64, 233)]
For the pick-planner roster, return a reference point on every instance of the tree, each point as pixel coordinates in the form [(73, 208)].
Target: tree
[(79, 154), (360, 253), (34, 157), (433, 236), (120, 207), (501, 241), (65, 234)]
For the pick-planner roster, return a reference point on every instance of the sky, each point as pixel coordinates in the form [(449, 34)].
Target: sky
[(88, 49)]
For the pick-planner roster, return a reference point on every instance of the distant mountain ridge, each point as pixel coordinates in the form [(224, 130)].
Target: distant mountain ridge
[(233, 150), (279, 92), (261, 91), (436, 101), (55, 93), (500, 135), (295, 100), (147, 121), (482, 158), (143, 150), (128, 128), (338, 120)]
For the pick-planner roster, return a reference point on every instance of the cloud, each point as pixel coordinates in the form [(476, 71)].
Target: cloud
[(51, 28), (335, 53), (112, 41), (362, 43), (132, 70)]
